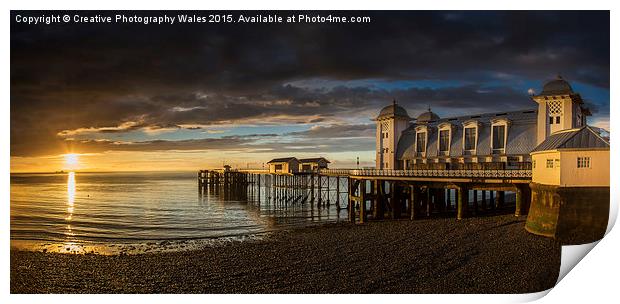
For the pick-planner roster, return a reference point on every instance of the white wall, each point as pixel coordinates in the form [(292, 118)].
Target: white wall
[(543, 175), (568, 175), (595, 176)]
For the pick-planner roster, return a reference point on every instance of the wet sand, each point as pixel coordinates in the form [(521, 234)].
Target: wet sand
[(476, 255)]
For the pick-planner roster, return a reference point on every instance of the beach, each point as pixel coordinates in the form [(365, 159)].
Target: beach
[(475, 255)]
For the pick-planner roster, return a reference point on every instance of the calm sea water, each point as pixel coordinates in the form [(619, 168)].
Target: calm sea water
[(142, 212)]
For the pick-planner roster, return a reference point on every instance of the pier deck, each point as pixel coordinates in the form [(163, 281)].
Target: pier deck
[(382, 193)]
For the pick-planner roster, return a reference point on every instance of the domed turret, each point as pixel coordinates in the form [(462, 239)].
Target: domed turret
[(393, 110), (391, 123), (427, 116), (557, 86)]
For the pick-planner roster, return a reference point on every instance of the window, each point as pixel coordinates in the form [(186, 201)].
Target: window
[(583, 162), (534, 164), (557, 163), (557, 119), (444, 140), (420, 142), (549, 163), (550, 120), (499, 136), (470, 138), (278, 167)]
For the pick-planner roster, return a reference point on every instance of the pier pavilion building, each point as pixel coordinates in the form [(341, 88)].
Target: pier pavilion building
[(499, 140)]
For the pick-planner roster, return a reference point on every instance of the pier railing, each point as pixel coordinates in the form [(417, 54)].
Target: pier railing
[(456, 173), (483, 173)]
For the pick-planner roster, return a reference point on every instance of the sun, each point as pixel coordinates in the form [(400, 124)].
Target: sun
[(71, 160)]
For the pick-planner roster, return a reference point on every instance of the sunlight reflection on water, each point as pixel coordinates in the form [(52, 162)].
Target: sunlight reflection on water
[(111, 212)]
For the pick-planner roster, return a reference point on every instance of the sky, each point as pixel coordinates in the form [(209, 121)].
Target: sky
[(135, 97)]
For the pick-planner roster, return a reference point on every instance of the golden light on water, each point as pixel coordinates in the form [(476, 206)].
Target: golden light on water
[(70, 197), (71, 188)]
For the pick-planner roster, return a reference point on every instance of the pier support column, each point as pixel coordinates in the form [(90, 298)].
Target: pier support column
[(328, 197), (362, 202), (440, 199), (379, 208), (427, 199), (351, 185), (319, 186), (413, 198), (497, 200), (462, 199), (501, 198), (475, 202), (518, 201), (312, 189), (523, 199), (395, 199), (338, 193)]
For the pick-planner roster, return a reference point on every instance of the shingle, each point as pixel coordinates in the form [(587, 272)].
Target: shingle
[(521, 134), (575, 138), (282, 160), (313, 160)]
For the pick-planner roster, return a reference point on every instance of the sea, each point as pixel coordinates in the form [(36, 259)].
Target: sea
[(133, 213)]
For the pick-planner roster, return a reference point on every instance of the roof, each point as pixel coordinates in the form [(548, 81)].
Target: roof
[(557, 86), (393, 110), (521, 135), (313, 160), (584, 137), (282, 160), (427, 116)]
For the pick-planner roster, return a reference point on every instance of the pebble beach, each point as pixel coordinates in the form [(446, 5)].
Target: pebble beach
[(492, 254)]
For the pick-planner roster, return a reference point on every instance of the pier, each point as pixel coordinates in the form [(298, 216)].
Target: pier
[(381, 194)]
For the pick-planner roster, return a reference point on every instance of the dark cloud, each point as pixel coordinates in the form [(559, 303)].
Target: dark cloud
[(69, 77), (247, 143), (338, 131)]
